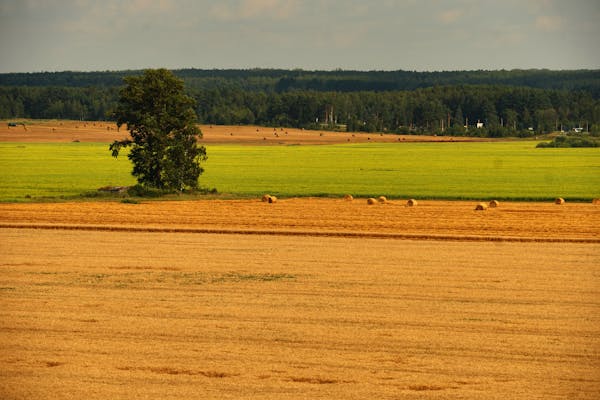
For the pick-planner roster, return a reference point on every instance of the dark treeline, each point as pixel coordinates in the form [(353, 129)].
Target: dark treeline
[(507, 103), (280, 80), (91, 103), (504, 111)]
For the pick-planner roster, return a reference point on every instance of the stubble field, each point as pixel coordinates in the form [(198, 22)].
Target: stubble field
[(62, 131), (304, 298), (457, 220)]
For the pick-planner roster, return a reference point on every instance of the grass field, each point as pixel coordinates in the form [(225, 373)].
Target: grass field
[(421, 170), (507, 170), (58, 169)]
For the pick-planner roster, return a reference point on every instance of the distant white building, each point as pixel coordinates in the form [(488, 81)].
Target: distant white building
[(479, 124)]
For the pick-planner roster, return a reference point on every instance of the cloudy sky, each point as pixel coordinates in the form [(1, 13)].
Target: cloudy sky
[(91, 35)]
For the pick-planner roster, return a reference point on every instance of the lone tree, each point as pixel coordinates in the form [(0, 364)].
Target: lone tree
[(161, 121)]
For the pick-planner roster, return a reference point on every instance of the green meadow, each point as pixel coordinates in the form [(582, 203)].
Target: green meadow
[(503, 170), (58, 169)]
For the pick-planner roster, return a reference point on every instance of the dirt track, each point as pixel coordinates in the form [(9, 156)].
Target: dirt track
[(105, 132)]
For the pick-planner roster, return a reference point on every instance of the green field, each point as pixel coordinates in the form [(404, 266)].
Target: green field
[(505, 170), (54, 170)]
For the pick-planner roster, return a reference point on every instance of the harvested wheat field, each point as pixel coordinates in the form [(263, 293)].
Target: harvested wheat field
[(457, 220), (57, 131), (303, 298), (106, 132)]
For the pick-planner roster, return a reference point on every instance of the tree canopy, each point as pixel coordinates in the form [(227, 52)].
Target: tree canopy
[(282, 80), (162, 123)]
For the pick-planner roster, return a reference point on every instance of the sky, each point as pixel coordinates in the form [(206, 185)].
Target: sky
[(442, 35)]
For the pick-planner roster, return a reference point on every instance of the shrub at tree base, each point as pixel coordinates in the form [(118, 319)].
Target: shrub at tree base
[(571, 141)]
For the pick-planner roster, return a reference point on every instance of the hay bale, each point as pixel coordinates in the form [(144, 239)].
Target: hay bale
[(348, 197), (481, 207), (559, 201), (411, 203), (382, 199), (494, 203), (596, 201), (265, 198), (272, 199), (371, 201)]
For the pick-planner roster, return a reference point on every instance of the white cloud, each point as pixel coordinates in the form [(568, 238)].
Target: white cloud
[(449, 16), (255, 9), (549, 23), (113, 17)]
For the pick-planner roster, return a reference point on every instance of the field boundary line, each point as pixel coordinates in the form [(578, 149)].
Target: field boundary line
[(340, 234)]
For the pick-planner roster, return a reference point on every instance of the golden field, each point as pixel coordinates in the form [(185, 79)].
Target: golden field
[(458, 220), (53, 131), (304, 298)]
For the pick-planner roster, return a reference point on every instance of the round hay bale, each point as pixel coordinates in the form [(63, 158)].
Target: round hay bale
[(382, 199), (348, 197), (559, 201), (596, 201), (272, 199), (481, 207), (265, 198), (494, 203), (411, 203), (371, 201)]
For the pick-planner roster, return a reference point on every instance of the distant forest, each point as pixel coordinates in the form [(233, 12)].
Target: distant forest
[(504, 103)]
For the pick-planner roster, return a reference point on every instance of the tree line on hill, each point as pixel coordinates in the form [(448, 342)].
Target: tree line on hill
[(279, 80), (503, 103)]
